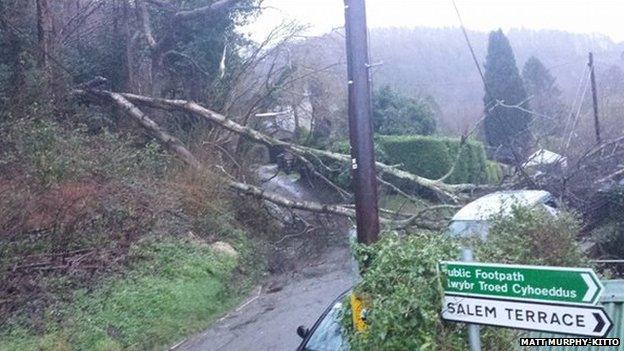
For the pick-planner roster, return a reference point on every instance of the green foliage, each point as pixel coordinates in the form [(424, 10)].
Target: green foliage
[(427, 156), (50, 153), (533, 237), (609, 239), (494, 172), (401, 277), (79, 190), (15, 60), (205, 45), (613, 200), (504, 126), (538, 80), (545, 98), (397, 114), (174, 288), (433, 157), (399, 274)]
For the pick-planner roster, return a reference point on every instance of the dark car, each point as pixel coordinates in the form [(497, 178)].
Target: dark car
[(326, 333)]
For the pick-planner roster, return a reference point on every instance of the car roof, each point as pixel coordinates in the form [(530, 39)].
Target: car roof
[(500, 202)]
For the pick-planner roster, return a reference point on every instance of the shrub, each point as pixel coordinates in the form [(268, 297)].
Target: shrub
[(533, 237), (46, 152), (397, 114), (433, 157)]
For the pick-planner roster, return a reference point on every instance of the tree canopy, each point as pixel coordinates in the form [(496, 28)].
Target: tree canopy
[(506, 128), (544, 97), (397, 114)]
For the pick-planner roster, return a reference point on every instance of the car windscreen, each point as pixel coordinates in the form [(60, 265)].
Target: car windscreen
[(328, 334)]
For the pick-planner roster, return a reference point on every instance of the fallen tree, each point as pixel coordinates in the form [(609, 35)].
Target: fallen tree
[(175, 146), (450, 192)]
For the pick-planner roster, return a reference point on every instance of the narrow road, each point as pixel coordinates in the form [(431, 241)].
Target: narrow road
[(269, 317)]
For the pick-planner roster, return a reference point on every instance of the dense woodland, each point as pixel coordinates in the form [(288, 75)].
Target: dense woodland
[(130, 133)]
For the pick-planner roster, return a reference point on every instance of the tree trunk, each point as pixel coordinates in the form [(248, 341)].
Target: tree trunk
[(44, 27)]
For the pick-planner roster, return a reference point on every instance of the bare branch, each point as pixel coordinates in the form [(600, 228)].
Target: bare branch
[(310, 167), (215, 7), (417, 219), (416, 201), (175, 146), (187, 58)]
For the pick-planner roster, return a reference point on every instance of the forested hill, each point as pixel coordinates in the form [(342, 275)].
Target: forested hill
[(437, 62)]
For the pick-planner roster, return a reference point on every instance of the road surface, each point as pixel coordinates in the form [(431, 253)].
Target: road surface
[(269, 317)]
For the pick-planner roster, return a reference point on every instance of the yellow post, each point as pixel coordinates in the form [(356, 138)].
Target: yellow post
[(360, 306)]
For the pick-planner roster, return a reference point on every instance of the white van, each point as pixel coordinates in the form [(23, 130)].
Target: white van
[(473, 219)]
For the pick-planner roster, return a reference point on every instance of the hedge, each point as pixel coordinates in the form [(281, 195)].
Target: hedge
[(433, 157)]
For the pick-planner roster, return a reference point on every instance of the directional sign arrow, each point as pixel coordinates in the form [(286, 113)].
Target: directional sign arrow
[(592, 287), (601, 323), (519, 282), (562, 319)]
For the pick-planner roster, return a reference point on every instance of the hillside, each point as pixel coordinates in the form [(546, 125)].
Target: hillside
[(437, 62)]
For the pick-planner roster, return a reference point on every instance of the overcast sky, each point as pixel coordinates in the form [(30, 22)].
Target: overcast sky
[(581, 16)]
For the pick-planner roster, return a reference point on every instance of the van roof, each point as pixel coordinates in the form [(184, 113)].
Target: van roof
[(500, 202)]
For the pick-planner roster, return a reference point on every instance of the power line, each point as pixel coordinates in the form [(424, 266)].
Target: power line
[(578, 112), (576, 99), (474, 56)]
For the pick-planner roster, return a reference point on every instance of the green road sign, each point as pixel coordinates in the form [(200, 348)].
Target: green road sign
[(517, 282)]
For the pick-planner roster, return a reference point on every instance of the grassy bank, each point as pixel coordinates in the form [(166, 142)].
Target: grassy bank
[(173, 289), (105, 240)]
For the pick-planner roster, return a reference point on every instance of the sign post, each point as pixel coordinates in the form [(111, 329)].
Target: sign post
[(540, 298), (474, 337)]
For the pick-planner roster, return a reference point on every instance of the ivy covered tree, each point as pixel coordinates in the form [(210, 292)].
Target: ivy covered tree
[(506, 128), (544, 95), (397, 114)]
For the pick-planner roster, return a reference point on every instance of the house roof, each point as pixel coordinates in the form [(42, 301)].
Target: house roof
[(544, 157)]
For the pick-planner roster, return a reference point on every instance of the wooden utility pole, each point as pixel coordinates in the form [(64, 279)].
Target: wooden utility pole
[(592, 78), (363, 173)]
